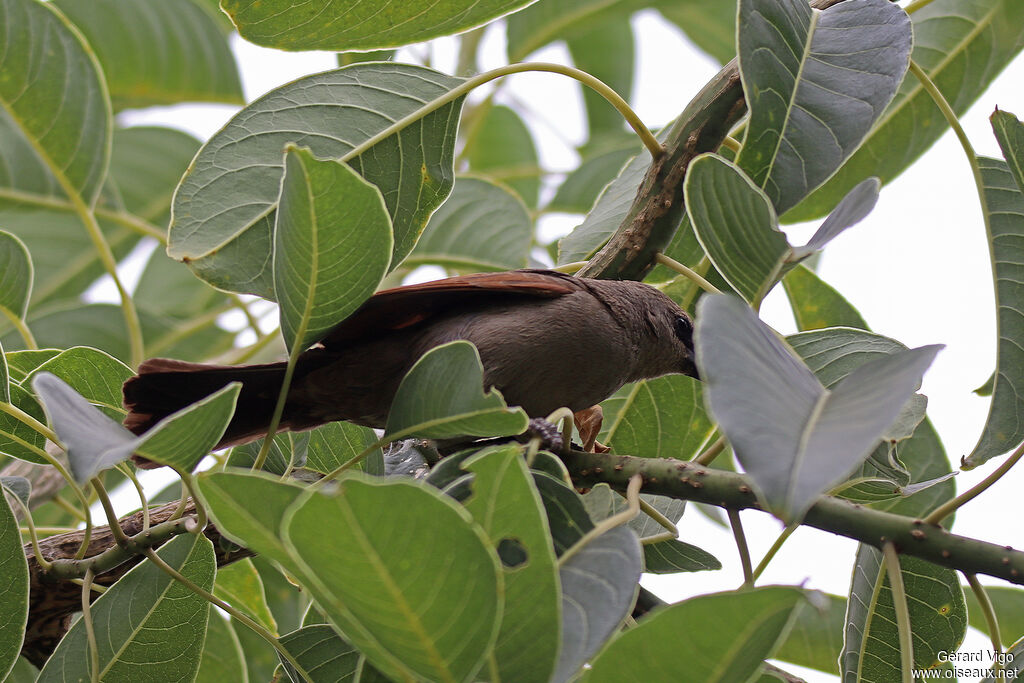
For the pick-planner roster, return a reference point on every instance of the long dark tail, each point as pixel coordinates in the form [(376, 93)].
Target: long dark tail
[(164, 386)]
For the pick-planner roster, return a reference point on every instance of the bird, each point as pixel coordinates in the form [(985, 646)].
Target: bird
[(545, 340)]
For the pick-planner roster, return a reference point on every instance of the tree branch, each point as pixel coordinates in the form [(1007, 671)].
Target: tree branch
[(688, 481)]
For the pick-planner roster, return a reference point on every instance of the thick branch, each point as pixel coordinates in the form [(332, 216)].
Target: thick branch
[(658, 208), (52, 602), (687, 481)]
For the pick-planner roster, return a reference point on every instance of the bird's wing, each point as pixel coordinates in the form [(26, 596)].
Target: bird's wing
[(401, 307)]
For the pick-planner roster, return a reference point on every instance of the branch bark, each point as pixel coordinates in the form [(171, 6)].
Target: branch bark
[(688, 481)]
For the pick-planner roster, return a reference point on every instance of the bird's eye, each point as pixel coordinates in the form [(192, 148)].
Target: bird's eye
[(684, 329)]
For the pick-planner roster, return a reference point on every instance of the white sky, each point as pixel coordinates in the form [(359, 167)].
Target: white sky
[(917, 269)]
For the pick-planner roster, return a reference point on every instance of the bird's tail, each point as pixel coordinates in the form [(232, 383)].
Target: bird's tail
[(164, 386)]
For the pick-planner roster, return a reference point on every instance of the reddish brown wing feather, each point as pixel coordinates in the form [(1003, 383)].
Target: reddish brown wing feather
[(394, 309)]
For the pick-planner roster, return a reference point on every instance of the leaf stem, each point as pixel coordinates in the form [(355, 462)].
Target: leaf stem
[(774, 550), (44, 564), (90, 632), (650, 142), (26, 419), (248, 352), (21, 327), (741, 546), (127, 471), (940, 513), (712, 452), (108, 509), (689, 273), (990, 614), (609, 523), (899, 600), (237, 614), (916, 5)]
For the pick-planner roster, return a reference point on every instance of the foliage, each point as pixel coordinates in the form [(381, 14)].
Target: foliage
[(498, 564)]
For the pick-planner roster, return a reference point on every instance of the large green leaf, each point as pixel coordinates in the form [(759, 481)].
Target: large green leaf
[(18, 439), (1004, 428), (384, 541), (1008, 603), (661, 418), (962, 45), (938, 617), (335, 443), (223, 209), (816, 304), (482, 226), (500, 146), (240, 585), (816, 637), (326, 25), (332, 245), (508, 507), (146, 164), (324, 655), (710, 24), (599, 585), (581, 187), (15, 276), (148, 626), (793, 436), (549, 20), (157, 52), (93, 374), (442, 397), (815, 82), (727, 636), (606, 52), (61, 122), (192, 297), (13, 590), (223, 659)]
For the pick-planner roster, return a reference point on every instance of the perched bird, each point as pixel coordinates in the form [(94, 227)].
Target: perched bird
[(546, 340)]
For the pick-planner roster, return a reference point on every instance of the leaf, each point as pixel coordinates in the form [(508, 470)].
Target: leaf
[(736, 632), (567, 517), (962, 46), (287, 451), (384, 541), (323, 654), (816, 304), (332, 245), (482, 226), (192, 297), (17, 439), (851, 210), (500, 147), (224, 207), (335, 443), (581, 187), (63, 118), (14, 589), (442, 397), (508, 507), (736, 224), (1008, 603), (1004, 427), (324, 25), (661, 418), (599, 584), (95, 375), (19, 487), (21, 363), (249, 507), (239, 584), (15, 276), (938, 617), (549, 20), (223, 659), (795, 438), (148, 626), (709, 24), (816, 636), (607, 214), (673, 556), (94, 442), (146, 164), (157, 52), (183, 438), (5, 378), (65, 260), (815, 83), (606, 51)]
